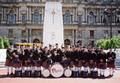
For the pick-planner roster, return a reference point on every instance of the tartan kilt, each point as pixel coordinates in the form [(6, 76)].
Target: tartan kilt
[(65, 63), (79, 63), (111, 65), (30, 64), (17, 64), (44, 64), (102, 65), (8, 62), (85, 64), (71, 64), (38, 64), (92, 65)]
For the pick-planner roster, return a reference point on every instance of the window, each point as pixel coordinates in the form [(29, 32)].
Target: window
[(67, 17), (91, 17), (0, 18), (118, 17), (119, 32), (106, 34), (79, 19), (79, 42), (104, 17), (24, 33), (92, 43), (91, 33), (36, 16), (68, 1), (79, 34), (23, 17), (12, 17), (36, 0), (10, 33)]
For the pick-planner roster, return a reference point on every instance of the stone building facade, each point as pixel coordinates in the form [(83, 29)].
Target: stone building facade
[(85, 21)]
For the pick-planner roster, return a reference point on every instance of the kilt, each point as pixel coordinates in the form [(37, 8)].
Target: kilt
[(71, 64), (17, 64), (101, 65), (30, 64), (38, 63), (65, 63), (79, 63), (92, 65), (111, 65), (44, 64), (8, 62), (85, 64)]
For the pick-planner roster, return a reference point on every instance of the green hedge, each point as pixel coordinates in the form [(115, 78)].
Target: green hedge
[(106, 43), (4, 42)]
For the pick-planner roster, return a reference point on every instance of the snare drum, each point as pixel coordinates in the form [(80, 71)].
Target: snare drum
[(67, 72), (46, 72), (56, 70)]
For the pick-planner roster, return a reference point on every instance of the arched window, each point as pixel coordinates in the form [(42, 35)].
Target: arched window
[(67, 16), (67, 42), (36, 16), (79, 19), (118, 17), (12, 17), (91, 17), (104, 17)]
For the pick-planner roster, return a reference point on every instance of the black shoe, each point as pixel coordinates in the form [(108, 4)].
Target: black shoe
[(11, 74), (110, 75), (7, 74)]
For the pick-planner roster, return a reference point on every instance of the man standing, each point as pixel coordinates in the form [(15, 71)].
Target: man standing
[(111, 61), (9, 59)]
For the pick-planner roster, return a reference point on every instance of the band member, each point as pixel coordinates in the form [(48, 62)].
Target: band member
[(16, 59), (85, 58), (111, 61), (56, 57), (9, 59), (65, 59), (38, 57), (46, 58), (98, 50), (22, 55), (29, 57), (92, 63), (101, 61), (78, 58), (72, 58)]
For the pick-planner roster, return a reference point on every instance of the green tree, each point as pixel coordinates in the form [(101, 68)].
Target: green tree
[(6, 42), (106, 43), (1, 43)]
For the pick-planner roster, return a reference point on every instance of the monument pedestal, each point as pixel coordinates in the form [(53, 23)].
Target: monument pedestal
[(53, 24)]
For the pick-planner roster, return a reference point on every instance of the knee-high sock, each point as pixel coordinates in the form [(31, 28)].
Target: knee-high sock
[(102, 71), (111, 71), (7, 69), (79, 69), (11, 69)]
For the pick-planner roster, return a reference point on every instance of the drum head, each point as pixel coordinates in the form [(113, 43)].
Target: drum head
[(106, 72), (56, 70), (67, 73), (46, 73)]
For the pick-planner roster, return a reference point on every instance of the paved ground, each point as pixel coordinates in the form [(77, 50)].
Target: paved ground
[(114, 79)]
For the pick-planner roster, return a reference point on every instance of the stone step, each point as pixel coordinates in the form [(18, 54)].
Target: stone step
[(2, 64)]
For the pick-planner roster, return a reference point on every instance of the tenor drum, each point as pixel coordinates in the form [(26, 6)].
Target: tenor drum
[(46, 72), (56, 70), (67, 72)]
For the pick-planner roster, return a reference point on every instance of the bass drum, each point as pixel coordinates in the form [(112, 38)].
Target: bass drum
[(56, 70), (67, 72), (106, 72), (46, 72)]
